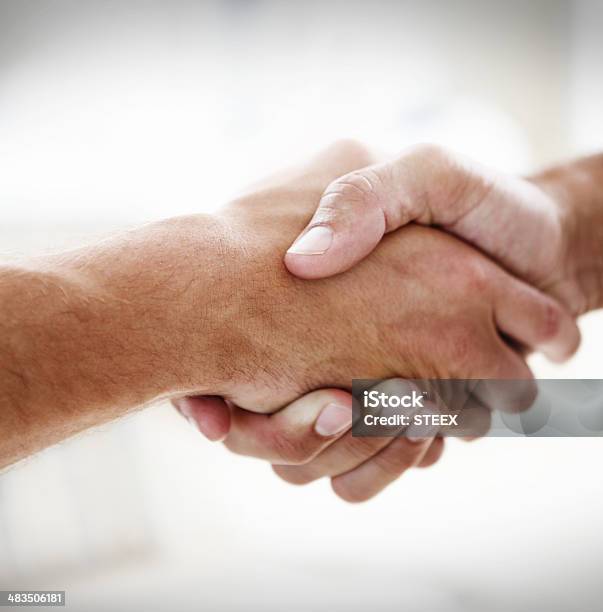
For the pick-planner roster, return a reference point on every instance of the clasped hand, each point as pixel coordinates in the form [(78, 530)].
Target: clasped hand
[(358, 295)]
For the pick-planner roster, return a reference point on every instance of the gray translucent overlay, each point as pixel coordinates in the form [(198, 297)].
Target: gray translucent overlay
[(473, 408)]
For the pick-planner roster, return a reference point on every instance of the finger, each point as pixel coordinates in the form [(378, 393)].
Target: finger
[(296, 433), (349, 451), (473, 422), (492, 361), (209, 414), (464, 415), (469, 417), (371, 477), (534, 319), (433, 454), (425, 184)]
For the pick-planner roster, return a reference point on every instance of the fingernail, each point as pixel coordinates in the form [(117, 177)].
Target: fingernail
[(333, 420), (315, 241)]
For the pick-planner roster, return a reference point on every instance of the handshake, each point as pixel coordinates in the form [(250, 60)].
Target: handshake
[(255, 320)]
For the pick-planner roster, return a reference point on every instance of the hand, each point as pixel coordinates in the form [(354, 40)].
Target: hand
[(202, 305), (391, 306), (212, 417), (545, 229), (311, 439)]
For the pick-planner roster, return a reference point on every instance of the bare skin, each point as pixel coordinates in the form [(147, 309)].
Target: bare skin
[(203, 305), (546, 229), (358, 468)]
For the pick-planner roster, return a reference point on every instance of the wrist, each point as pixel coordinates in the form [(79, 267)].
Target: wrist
[(577, 189), (165, 293), (88, 335)]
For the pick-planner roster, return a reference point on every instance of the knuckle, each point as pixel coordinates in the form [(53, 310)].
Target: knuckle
[(354, 150), (464, 348), (510, 393), (290, 449), (478, 279), (355, 193), (397, 459), (352, 188), (476, 423), (472, 274), (433, 154), (362, 448), (452, 177), (491, 363)]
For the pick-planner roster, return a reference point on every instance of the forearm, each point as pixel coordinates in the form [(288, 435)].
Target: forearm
[(578, 188), (89, 335)]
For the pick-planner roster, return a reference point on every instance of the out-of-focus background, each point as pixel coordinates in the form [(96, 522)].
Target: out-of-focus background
[(116, 113)]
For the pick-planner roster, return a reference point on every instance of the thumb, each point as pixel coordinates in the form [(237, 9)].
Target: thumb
[(426, 184), (346, 227)]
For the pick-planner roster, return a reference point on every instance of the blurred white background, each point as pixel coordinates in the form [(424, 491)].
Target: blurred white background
[(116, 113)]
